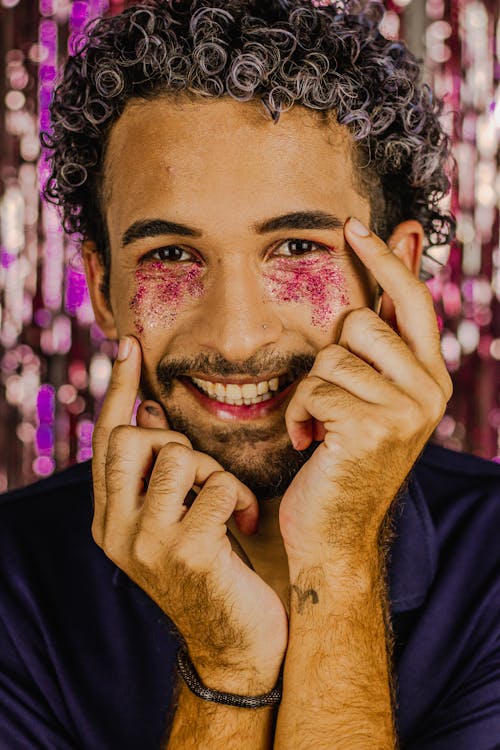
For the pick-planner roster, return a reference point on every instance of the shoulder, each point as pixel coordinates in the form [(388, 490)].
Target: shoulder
[(77, 477), (46, 519), (67, 490), (462, 493), (457, 483), (453, 463)]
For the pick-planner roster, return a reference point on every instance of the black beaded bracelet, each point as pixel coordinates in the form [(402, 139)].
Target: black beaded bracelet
[(192, 680)]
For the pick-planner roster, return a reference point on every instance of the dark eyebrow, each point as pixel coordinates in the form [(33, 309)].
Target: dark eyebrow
[(297, 220)]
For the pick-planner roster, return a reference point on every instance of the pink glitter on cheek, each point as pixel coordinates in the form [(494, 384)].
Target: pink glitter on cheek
[(312, 280), (162, 291)]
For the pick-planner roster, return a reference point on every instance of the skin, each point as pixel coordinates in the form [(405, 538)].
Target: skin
[(375, 390)]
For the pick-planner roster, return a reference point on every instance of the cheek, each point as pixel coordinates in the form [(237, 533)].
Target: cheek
[(162, 292), (315, 282)]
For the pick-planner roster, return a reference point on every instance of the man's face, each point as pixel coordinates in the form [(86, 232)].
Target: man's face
[(231, 317)]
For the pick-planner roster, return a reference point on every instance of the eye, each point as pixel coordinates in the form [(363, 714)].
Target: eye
[(298, 247), (170, 253)]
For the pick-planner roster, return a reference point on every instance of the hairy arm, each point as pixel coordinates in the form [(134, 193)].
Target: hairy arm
[(340, 637), (201, 724)]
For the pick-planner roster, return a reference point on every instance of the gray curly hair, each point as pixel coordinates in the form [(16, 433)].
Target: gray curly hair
[(329, 57)]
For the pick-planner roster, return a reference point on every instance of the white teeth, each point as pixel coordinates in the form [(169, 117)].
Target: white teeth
[(249, 390), (233, 392), (262, 388), (247, 394)]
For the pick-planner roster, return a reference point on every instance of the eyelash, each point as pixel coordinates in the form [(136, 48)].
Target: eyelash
[(153, 253)]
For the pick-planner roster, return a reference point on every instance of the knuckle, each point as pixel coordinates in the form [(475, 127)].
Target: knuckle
[(330, 355), (412, 416), (171, 461), (359, 316), (330, 395), (142, 551), (120, 437), (179, 439), (384, 335), (173, 451), (165, 483), (437, 404), (219, 482)]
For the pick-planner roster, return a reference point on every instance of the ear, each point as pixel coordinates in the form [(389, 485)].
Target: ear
[(407, 242), (94, 271)]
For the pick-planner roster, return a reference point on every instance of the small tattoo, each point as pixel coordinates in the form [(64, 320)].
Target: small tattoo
[(153, 411), (303, 596)]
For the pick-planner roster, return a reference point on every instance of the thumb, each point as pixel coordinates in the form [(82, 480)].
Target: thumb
[(150, 415)]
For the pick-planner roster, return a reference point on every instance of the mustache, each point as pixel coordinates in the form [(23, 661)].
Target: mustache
[(213, 365)]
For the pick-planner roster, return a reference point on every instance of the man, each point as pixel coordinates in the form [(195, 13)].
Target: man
[(255, 184)]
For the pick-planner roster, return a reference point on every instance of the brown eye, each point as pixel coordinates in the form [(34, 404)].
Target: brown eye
[(172, 253), (298, 247)]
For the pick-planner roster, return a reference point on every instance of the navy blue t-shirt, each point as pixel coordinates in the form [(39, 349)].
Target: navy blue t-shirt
[(87, 659)]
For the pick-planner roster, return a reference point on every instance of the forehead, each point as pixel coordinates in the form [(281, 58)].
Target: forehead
[(182, 157)]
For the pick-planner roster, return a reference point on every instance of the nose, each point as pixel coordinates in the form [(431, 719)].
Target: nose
[(237, 320)]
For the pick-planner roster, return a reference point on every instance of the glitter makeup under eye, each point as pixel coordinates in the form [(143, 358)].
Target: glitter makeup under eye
[(162, 292), (310, 280)]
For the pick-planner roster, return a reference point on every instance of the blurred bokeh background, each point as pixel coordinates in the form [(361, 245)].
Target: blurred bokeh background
[(54, 361)]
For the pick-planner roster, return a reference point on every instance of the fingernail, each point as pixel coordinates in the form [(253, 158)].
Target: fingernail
[(153, 411), (124, 348), (356, 227)]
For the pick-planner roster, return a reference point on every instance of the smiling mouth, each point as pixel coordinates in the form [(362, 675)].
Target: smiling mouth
[(242, 394)]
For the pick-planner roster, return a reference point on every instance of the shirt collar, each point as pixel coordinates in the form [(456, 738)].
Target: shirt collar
[(413, 555), (412, 561)]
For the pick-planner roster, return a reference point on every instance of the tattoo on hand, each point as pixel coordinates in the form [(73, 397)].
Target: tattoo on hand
[(303, 596)]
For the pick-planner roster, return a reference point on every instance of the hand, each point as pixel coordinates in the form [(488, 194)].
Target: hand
[(233, 623), (373, 400)]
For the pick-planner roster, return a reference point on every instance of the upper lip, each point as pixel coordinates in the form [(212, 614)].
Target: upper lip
[(237, 380)]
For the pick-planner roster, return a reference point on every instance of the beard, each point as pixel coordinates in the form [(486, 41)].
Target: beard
[(263, 458)]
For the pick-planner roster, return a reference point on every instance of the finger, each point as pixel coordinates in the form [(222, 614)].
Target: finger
[(150, 414), (117, 410), (130, 458), (382, 350), (320, 401), (221, 496), (415, 315), (176, 471), (345, 367)]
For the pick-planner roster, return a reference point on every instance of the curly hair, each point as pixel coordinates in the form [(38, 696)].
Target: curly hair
[(329, 57)]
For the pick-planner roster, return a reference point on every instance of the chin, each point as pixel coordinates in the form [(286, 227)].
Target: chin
[(263, 459)]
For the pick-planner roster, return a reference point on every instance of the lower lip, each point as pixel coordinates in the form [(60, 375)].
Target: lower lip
[(231, 412)]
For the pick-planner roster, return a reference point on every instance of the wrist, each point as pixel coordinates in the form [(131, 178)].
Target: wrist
[(249, 696), (235, 677), (348, 562), (319, 589)]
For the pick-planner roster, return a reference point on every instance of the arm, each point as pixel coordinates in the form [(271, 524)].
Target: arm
[(340, 638), (233, 625), (371, 401), (198, 723)]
